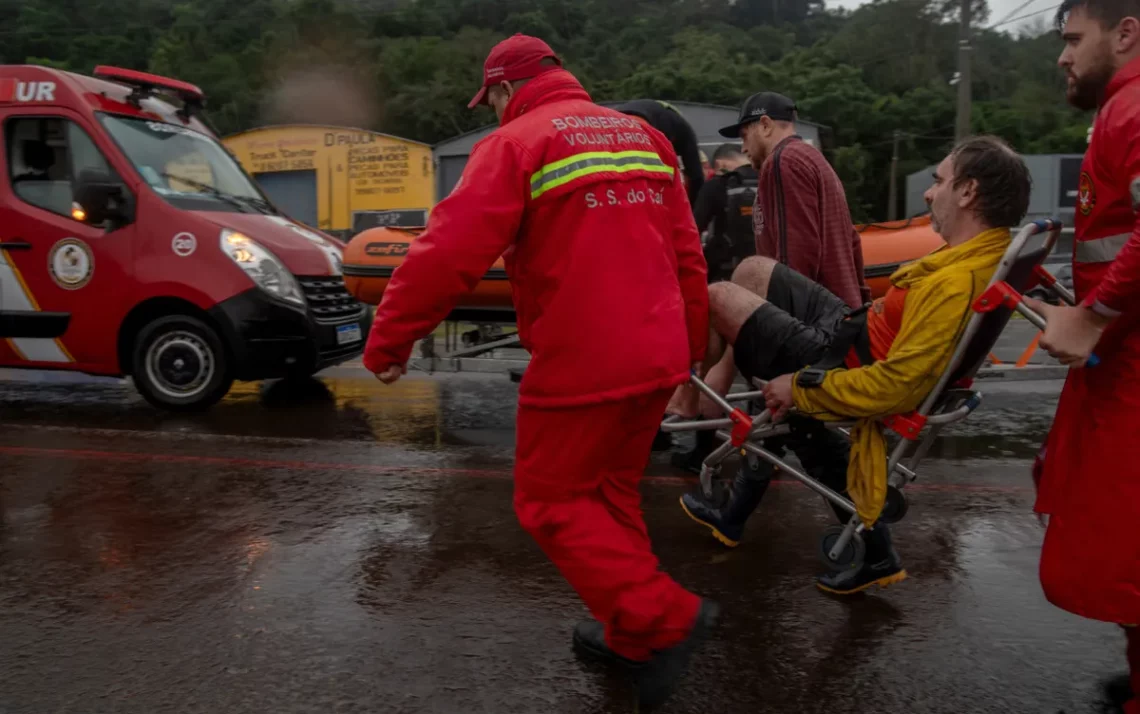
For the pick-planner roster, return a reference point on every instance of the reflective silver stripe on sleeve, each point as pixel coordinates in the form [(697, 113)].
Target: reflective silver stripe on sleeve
[(1104, 310), (1135, 189), (1100, 250)]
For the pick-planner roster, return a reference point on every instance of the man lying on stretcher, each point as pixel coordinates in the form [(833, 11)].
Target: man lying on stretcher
[(878, 362)]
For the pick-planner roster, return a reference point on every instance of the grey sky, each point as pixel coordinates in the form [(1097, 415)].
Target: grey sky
[(1039, 11)]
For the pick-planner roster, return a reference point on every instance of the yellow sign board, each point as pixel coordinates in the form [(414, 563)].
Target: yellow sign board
[(356, 170)]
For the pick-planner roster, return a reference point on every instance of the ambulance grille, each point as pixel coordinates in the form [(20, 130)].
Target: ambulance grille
[(328, 299)]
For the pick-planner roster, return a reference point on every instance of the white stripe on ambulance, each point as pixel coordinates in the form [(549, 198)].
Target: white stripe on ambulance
[(13, 297)]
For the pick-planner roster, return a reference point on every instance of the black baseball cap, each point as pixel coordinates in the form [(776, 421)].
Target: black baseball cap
[(763, 104)]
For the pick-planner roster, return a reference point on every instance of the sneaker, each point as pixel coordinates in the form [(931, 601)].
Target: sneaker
[(692, 460), (851, 581), (662, 441)]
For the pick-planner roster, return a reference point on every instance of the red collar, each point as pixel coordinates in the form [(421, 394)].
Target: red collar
[(553, 86), (1125, 75)]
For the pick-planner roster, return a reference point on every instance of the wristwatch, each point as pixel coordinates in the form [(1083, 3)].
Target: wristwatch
[(809, 378)]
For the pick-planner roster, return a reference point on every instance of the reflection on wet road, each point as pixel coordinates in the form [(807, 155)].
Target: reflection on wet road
[(341, 546)]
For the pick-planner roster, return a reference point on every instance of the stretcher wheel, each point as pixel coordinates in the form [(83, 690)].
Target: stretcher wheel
[(895, 506), (852, 555)]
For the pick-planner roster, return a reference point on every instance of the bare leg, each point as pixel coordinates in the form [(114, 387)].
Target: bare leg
[(754, 274), (720, 378), (730, 305), (686, 399)]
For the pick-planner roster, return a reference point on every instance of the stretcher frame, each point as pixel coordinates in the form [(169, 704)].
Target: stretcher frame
[(842, 546)]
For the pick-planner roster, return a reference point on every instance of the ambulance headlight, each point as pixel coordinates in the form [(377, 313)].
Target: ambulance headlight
[(269, 273)]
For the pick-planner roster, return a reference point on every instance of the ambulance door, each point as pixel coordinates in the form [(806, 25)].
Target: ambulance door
[(52, 259)]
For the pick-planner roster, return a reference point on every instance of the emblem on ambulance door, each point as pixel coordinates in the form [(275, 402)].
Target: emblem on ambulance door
[(1086, 194), (184, 244), (71, 264)]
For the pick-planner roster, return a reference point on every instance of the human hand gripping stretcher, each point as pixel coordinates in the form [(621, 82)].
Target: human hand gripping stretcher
[(1001, 294), (952, 400)]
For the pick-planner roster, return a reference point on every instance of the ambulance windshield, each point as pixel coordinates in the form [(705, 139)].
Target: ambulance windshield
[(188, 169)]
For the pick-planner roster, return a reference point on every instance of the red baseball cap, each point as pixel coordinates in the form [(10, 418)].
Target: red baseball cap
[(517, 57)]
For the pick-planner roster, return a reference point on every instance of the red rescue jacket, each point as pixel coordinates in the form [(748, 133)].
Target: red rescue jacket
[(587, 208), (1090, 477)]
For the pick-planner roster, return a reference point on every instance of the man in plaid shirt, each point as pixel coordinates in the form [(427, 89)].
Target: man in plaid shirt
[(801, 220)]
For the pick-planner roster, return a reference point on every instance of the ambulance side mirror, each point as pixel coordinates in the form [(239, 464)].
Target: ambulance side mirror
[(102, 200)]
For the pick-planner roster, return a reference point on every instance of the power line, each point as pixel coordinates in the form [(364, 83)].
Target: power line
[(1026, 16), (1011, 13)]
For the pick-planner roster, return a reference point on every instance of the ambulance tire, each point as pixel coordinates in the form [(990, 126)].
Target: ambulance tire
[(180, 364)]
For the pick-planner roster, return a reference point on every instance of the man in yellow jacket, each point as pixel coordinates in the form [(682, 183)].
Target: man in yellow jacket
[(892, 355)]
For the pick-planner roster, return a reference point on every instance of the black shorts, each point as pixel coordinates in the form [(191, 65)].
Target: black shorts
[(792, 330)]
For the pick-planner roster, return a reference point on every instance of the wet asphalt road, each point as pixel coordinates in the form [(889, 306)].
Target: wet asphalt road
[(340, 546)]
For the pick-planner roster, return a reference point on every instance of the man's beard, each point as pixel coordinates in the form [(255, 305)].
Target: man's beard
[(1085, 93), (757, 159)]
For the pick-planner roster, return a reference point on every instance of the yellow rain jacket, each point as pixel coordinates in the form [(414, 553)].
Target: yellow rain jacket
[(941, 289)]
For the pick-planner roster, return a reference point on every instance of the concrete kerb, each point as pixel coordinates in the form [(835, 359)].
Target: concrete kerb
[(1027, 373)]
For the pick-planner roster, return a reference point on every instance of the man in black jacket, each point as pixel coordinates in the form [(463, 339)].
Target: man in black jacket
[(663, 117), (724, 209)]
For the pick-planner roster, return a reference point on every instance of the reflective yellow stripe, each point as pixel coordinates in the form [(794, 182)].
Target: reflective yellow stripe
[(1101, 250), (563, 171)]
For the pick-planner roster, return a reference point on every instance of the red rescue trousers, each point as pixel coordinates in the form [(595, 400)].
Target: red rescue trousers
[(1133, 707), (577, 472)]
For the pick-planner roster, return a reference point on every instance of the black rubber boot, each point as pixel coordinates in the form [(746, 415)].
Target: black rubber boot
[(657, 677), (691, 460), (727, 522), (590, 640), (881, 567), (1117, 692), (824, 455)]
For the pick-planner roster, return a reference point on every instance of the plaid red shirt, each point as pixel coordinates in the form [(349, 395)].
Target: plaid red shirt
[(801, 219)]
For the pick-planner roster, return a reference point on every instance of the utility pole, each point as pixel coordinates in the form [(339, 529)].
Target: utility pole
[(962, 126), (893, 201)]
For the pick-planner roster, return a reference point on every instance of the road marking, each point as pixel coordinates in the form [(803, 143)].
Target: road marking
[(503, 474)]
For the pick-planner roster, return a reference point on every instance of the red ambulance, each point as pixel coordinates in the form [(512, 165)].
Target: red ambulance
[(121, 214)]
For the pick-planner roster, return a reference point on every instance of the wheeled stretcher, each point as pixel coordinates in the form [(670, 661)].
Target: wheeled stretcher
[(952, 400)]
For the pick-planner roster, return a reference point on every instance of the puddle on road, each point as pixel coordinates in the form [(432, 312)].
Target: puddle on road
[(413, 412)]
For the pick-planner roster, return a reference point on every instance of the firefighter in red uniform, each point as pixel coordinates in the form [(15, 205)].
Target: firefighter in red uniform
[(1089, 472), (587, 208)]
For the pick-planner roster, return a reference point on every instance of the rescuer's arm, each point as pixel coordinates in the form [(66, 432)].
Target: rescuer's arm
[(933, 320), (1120, 288), (798, 231), (692, 270), (467, 232), (1072, 333)]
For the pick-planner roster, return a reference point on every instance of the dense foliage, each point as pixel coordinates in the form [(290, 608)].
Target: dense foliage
[(408, 67)]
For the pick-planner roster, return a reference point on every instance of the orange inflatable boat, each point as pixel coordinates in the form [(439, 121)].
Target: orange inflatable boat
[(372, 255)]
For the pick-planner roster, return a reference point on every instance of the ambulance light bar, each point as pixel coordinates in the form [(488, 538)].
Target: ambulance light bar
[(144, 84)]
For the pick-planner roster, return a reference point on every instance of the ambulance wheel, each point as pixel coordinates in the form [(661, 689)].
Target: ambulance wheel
[(179, 364), (852, 554)]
